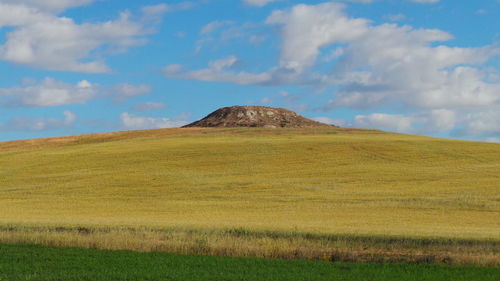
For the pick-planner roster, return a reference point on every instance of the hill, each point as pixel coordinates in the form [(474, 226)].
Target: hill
[(255, 116), (321, 181)]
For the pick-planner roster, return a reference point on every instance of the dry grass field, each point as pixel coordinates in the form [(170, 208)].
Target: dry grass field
[(349, 183)]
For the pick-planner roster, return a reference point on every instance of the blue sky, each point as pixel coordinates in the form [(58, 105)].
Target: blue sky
[(426, 67)]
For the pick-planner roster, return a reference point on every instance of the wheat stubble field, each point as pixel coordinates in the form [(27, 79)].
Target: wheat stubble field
[(331, 194)]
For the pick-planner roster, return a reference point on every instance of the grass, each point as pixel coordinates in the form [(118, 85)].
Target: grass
[(317, 181), (23, 263), (266, 244)]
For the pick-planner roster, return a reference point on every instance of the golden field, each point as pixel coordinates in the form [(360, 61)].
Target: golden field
[(319, 181)]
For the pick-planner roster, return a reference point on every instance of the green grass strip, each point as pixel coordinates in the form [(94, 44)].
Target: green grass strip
[(24, 262)]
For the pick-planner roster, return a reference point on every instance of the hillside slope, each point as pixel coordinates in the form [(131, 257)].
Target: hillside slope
[(323, 180)]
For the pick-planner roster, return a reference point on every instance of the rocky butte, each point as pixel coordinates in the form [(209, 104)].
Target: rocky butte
[(256, 116)]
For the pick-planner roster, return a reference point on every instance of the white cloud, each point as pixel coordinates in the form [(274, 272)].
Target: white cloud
[(39, 124), (125, 91), (332, 121), (221, 64), (212, 26), (61, 44), (371, 66), (220, 33), (398, 123), (259, 3), (493, 139), (382, 64), (374, 64), (155, 9), (41, 39), (154, 13), (338, 52), (440, 120), (358, 1), (418, 123), (51, 92), (266, 101), (217, 71), (17, 15), (472, 124), (484, 123), (257, 39), (130, 121), (49, 5), (425, 1), (181, 6), (395, 17), (305, 29), (149, 106)]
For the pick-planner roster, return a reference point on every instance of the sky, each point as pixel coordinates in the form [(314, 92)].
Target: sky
[(424, 67)]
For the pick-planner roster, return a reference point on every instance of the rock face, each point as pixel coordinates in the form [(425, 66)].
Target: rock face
[(255, 116)]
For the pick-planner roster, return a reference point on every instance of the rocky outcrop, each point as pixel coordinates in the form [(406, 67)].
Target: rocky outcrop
[(255, 116)]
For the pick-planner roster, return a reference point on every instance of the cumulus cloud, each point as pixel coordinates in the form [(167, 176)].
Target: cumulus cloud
[(371, 63), (261, 3), (135, 122), (425, 1), (484, 124), (42, 39), (471, 124), (17, 15), (218, 70), (427, 122), (51, 92), (380, 63), (214, 25), (369, 66), (155, 9), (39, 124), (181, 6), (418, 123), (49, 5), (387, 62), (220, 33), (395, 17), (149, 106), (413, 74), (399, 123), (258, 3), (493, 139), (358, 1), (125, 91), (305, 29), (332, 121), (154, 13)]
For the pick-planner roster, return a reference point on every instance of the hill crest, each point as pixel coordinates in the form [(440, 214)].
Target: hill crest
[(255, 116)]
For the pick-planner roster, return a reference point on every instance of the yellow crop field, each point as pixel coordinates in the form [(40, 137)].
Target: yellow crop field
[(318, 181)]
